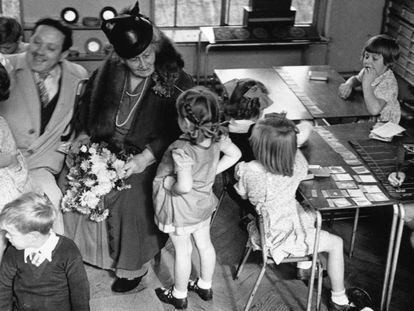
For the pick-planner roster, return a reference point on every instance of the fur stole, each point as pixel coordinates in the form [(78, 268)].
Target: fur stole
[(106, 90)]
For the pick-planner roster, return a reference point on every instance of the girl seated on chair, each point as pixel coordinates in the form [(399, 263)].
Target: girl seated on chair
[(182, 191), (246, 102), (270, 183)]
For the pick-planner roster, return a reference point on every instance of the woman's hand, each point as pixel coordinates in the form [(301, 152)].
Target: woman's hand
[(139, 162), (345, 90), (396, 181)]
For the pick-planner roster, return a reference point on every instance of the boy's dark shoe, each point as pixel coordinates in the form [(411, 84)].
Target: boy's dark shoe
[(359, 297), (166, 296), (205, 294), (122, 285)]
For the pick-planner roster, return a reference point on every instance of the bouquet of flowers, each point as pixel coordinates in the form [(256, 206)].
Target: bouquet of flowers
[(93, 172)]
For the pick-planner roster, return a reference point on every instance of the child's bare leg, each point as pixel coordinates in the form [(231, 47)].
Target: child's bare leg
[(207, 255), (182, 265), (333, 245)]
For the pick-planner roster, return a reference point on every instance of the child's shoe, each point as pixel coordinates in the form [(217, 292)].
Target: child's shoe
[(166, 296), (205, 294), (359, 297)]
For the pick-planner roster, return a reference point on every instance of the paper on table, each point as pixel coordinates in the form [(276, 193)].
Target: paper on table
[(389, 129)]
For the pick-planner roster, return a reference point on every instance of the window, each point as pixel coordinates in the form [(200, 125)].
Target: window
[(194, 13)]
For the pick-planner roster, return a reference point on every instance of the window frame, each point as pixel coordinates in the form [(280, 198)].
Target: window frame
[(224, 15)]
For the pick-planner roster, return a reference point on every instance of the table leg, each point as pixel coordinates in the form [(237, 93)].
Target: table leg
[(396, 252), (354, 230), (198, 56), (396, 213), (206, 51)]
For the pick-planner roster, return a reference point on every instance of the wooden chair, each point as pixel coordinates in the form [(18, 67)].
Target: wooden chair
[(266, 258), (222, 192)]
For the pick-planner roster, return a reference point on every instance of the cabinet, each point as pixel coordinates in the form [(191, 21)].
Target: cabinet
[(399, 23)]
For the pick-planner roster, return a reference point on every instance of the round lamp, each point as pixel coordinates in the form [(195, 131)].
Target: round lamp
[(69, 15), (93, 46), (108, 12)]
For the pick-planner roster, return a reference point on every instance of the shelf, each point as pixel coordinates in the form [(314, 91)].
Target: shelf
[(87, 57), (30, 26)]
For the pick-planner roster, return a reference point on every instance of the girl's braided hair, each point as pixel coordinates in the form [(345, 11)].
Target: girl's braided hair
[(200, 106)]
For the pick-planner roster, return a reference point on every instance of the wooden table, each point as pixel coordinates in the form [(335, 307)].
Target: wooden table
[(323, 94), (283, 98), (318, 151)]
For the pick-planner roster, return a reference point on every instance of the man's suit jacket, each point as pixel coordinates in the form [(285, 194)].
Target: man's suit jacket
[(22, 112)]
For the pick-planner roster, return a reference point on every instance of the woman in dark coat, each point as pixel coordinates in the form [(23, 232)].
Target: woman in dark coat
[(129, 103)]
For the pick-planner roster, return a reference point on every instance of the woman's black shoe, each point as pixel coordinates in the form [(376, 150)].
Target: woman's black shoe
[(122, 285), (166, 296), (205, 294)]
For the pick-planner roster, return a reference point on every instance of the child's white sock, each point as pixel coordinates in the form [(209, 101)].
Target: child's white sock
[(304, 264), (203, 284), (339, 297), (179, 294)]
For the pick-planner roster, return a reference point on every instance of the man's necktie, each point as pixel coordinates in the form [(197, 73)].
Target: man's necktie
[(44, 96)]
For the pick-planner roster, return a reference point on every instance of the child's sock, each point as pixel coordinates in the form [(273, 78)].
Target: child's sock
[(304, 264), (179, 294), (339, 297), (203, 284)]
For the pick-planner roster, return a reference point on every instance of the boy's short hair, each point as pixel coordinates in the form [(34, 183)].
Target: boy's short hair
[(238, 106), (4, 83), (274, 144), (384, 45), (29, 212), (10, 30)]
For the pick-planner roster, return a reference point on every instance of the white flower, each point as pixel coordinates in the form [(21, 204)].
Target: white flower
[(89, 182), (84, 165), (95, 172), (89, 199)]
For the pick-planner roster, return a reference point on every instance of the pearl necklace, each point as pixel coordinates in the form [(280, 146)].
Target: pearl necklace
[(135, 105)]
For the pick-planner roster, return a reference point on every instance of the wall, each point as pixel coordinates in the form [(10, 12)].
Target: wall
[(35, 9), (347, 24)]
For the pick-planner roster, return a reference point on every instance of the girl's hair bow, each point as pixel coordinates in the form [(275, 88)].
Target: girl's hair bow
[(256, 92)]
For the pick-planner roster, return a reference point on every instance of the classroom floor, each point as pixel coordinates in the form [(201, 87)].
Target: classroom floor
[(279, 289)]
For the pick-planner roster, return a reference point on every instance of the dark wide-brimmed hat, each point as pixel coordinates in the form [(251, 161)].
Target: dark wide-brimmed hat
[(130, 34)]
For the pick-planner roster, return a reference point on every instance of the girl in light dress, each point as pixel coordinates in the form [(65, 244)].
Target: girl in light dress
[(270, 183), (246, 103), (182, 191), (379, 85), (14, 179)]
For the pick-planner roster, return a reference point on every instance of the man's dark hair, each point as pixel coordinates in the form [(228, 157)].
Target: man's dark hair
[(67, 32)]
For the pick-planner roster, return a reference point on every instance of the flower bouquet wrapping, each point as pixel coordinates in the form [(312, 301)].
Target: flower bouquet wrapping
[(93, 172)]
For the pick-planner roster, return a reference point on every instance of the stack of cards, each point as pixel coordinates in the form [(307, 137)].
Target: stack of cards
[(300, 94)]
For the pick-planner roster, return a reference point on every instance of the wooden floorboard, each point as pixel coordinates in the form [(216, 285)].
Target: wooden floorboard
[(279, 290)]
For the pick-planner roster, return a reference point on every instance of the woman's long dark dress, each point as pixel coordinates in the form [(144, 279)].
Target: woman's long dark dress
[(132, 237)]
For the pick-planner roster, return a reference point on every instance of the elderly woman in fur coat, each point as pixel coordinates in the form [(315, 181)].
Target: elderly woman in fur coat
[(129, 103)]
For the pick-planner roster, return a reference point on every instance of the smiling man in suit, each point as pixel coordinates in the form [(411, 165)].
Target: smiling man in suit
[(41, 103)]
